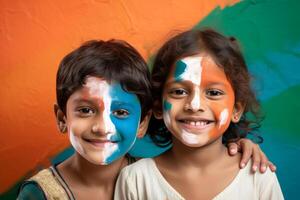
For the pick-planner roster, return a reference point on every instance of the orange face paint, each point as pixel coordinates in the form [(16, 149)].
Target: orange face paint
[(201, 100)]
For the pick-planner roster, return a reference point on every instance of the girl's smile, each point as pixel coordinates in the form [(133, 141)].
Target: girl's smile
[(198, 100)]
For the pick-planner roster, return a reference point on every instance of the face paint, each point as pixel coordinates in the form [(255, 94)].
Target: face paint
[(223, 117), (166, 112), (127, 127), (190, 69), (193, 139), (202, 100), (103, 120)]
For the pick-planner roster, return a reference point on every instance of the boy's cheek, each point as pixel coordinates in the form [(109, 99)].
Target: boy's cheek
[(127, 128)]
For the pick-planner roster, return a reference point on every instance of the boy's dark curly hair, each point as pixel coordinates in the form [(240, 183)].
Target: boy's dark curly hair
[(113, 60)]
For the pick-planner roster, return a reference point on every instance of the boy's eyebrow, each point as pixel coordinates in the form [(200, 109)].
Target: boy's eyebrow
[(122, 103), (82, 100)]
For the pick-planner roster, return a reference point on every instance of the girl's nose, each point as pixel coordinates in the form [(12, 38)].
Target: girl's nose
[(194, 103)]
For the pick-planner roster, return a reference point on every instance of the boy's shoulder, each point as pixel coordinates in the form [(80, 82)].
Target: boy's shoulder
[(48, 181)]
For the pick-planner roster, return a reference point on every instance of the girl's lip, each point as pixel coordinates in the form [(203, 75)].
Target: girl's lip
[(195, 126), (194, 118)]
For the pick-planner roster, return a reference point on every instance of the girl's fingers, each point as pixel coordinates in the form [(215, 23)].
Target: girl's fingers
[(272, 166), (246, 149), (264, 162), (232, 148), (256, 157)]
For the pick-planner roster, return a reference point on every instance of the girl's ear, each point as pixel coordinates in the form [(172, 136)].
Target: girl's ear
[(144, 125), (237, 112), (60, 119), (157, 110)]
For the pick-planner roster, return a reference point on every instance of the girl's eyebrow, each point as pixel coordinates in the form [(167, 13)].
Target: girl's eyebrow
[(219, 83)]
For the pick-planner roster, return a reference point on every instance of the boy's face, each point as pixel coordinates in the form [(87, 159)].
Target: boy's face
[(198, 101), (102, 120)]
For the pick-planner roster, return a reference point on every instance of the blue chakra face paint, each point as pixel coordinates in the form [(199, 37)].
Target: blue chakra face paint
[(125, 115), (102, 120)]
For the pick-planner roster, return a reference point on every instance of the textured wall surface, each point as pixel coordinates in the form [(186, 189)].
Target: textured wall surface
[(35, 35)]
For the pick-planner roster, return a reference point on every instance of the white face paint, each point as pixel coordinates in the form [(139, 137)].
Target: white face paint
[(192, 73), (99, 91), (102, 120), (194, 139), (223, 117), (201, 99)]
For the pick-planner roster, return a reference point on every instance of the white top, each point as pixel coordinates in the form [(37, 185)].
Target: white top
[(143, 181)]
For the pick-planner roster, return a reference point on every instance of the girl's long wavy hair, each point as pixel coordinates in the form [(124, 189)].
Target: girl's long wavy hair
[(226, 53)]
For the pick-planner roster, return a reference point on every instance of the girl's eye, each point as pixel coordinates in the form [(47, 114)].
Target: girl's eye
[(121, 113), (214, 93), (178, 92)]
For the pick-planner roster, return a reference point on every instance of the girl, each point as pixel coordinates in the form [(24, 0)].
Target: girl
[(103, 102), (202, 93)]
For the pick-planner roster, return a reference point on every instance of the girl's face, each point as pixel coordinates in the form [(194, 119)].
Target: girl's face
[(198, 101), (102, 120)]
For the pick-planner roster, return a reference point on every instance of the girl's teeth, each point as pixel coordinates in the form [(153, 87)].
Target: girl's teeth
[(196, 123), (193, 123)]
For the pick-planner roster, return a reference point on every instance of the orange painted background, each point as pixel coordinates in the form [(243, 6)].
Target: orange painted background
[(36, 34)]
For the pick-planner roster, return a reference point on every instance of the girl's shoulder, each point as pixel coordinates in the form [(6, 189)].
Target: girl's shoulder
[(139, 166), (253, 185)]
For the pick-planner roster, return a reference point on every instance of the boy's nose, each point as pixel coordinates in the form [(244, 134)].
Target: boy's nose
[(103, 125)]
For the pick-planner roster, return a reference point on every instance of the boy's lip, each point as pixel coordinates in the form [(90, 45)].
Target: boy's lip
[(99, 142)]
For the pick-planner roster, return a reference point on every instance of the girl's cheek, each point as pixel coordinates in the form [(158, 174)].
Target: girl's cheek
[(167, 107), (221, 113)]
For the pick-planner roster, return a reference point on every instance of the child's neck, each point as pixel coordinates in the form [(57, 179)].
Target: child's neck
[(89, 174), (201, 157)]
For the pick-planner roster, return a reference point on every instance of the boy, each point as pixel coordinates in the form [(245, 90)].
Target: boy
[(103, 103)]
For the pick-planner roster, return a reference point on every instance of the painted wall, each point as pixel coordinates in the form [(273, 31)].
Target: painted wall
[(35, 35)]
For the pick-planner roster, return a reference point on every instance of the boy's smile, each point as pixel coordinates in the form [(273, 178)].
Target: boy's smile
[(102, 120), (198, 101)]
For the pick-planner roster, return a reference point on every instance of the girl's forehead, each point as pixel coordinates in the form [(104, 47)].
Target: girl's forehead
[(193, 67)]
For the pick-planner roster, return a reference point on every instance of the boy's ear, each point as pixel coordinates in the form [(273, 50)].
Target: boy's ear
[(60, 119), (157, 110), (144, 125), (237, 112)]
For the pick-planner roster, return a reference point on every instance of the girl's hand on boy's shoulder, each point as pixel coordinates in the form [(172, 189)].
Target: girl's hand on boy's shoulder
[(248, 150)]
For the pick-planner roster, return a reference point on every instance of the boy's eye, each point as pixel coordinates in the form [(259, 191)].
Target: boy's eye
[(214, 93), (86, 111), (121, 113)]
